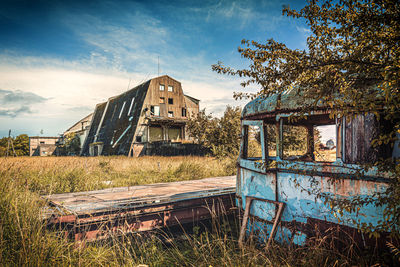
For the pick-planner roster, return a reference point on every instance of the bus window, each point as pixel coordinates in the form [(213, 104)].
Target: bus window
[(295, 143), (325, 143)]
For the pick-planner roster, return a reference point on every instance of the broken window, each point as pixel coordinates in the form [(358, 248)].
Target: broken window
[(170, 88), (295, 143), (271, 139), (183, 112), (252, 148), (254, 142), (174, 133), (155, 110), (325, 143), (162, 100), (162, 87), (139, 138), (130, 107), (170, 101), (122, 110), (155, 133), (170, 114)]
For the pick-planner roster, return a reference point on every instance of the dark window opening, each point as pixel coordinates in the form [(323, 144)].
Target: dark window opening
[(42, 142), (139, 138), (183, 112), (170, 101)]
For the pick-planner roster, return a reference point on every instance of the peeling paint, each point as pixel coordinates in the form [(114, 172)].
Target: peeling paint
[(304, 186)]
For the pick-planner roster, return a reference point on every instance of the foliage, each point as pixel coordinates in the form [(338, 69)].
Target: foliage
[(220, 135), (21, 145), (352, 64), (72, 144)]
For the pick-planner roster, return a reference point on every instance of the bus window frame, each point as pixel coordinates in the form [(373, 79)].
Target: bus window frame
[(245, 139)]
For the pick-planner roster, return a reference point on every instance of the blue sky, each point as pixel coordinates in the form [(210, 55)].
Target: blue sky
[(59, 58)]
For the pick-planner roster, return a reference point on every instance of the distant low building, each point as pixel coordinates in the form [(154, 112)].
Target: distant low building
[(132, 123), (43, 145), (330, 144)]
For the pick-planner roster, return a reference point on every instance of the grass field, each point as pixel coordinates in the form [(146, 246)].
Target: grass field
[(72, 174), (25, 241)]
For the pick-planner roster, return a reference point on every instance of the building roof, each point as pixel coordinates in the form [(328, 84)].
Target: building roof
[(193, 99), (43, 137), (106, 125), (86, 118)]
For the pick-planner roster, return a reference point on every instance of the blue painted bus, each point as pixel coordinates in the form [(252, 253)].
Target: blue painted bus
[(285, 183)]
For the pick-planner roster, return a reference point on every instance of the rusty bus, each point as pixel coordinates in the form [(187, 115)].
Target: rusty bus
[(282, 193)]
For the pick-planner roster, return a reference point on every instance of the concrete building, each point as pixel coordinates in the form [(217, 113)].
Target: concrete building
[(80, 129), (42, 145), (154, 112)]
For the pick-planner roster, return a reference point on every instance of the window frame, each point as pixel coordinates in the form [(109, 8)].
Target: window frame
[(310, 140), (170, 88), (161, 86), (245, 140), (153, 109)]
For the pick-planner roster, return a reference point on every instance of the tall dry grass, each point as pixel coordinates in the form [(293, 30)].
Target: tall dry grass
[(24, 240), (71, 174)]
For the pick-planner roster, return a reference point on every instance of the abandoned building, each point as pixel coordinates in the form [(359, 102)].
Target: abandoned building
[(80, 129), (42, 145), (149, 119)]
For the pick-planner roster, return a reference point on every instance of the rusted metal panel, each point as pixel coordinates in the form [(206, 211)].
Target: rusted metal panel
[(305, 186), (97, 214)]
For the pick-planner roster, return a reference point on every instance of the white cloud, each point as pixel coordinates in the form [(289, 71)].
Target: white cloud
[(119, 51), (72, 89)]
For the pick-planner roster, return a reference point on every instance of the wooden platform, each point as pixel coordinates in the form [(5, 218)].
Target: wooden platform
[(93, 214)]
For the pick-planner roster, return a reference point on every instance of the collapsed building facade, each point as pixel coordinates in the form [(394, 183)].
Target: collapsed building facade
[(146, 120)]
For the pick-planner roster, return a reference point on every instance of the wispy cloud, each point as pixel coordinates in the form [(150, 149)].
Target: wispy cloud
[(8, 97), (14, 103), (14, 112)]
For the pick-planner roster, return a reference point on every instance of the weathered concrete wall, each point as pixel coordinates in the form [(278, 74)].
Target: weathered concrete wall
[(48, 145), (124, 120)]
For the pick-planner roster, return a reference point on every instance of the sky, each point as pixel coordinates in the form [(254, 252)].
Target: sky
[(58, 59)]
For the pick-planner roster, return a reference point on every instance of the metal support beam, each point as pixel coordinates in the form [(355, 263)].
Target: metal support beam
[(247, 214)]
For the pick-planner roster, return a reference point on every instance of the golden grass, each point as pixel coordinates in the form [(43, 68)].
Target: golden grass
[(25, 241), (46, 175)]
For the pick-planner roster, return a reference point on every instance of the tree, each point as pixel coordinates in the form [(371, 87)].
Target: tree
[(221, 136), (352, 64), (21, 145), (72, 144)]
